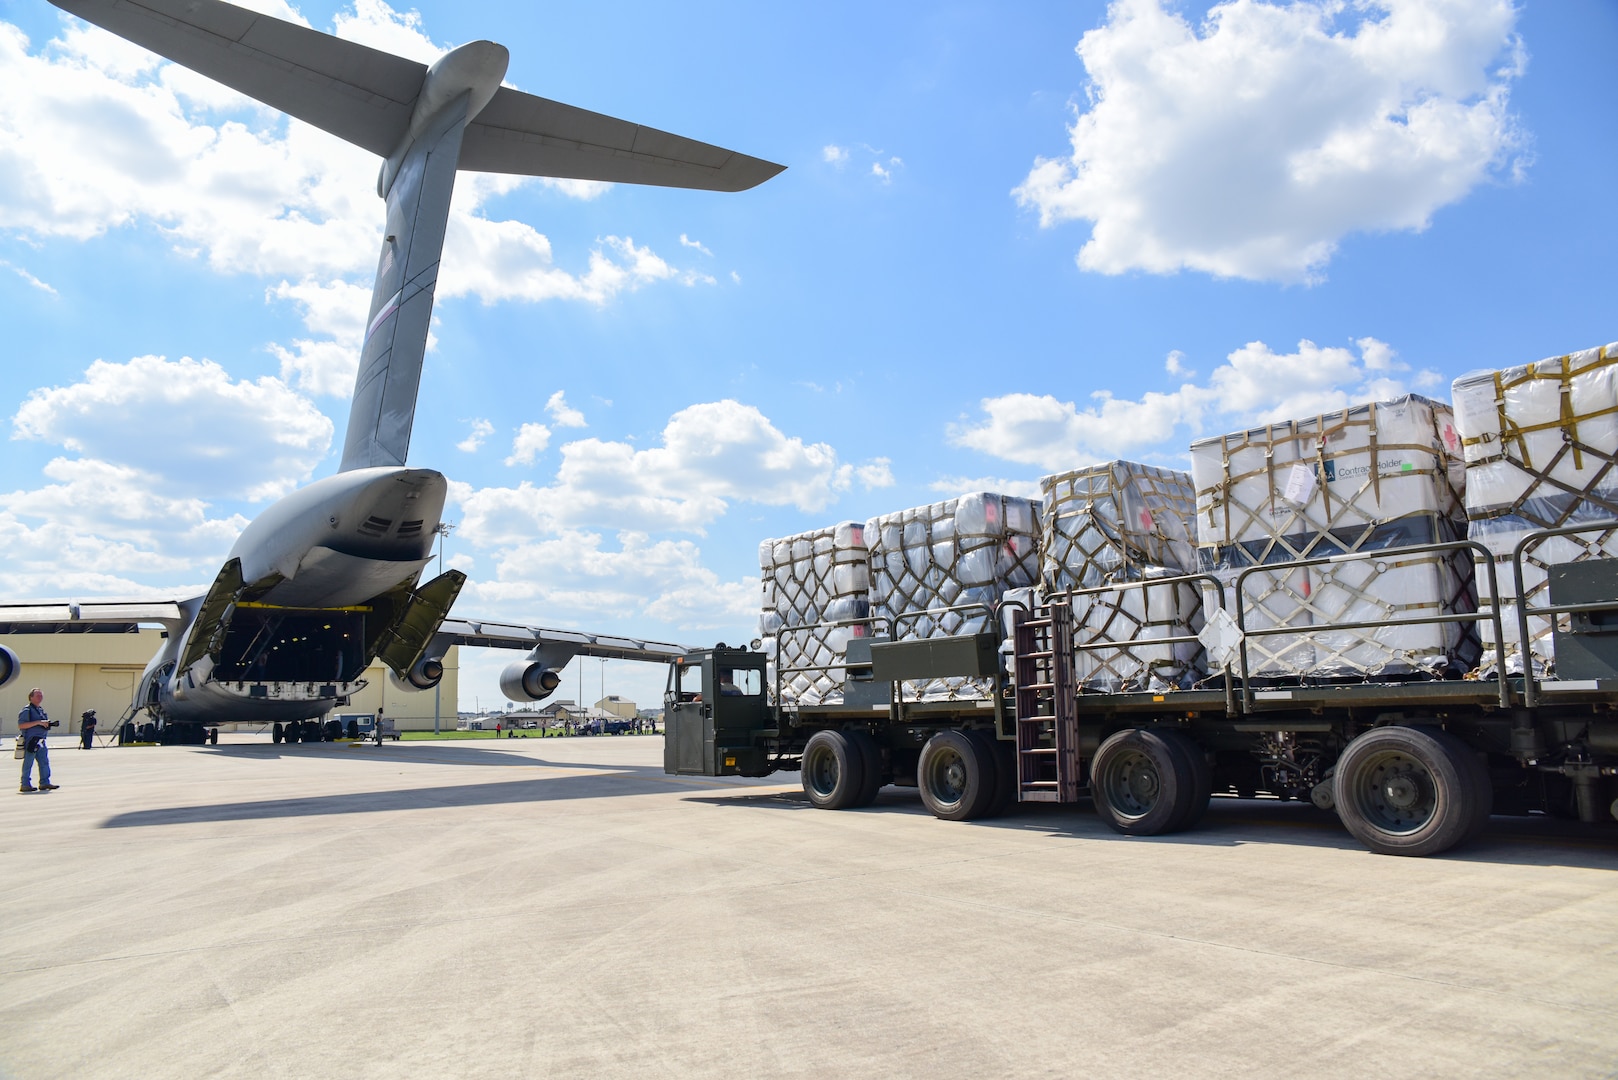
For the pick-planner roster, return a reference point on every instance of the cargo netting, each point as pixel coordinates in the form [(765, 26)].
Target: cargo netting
[(964, 553), (810, 580), (1124, 524), (1374, 478), (1540, 442)]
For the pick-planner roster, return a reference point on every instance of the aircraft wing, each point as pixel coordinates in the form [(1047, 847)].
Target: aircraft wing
[(496, 635), (357, 93), (91, 617), (366, 96)]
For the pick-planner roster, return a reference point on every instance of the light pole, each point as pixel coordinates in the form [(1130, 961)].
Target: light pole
[(442, 530), (603, 660)]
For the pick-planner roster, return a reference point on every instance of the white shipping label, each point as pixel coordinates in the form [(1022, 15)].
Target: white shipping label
[(1300, 484), (1221, 637)]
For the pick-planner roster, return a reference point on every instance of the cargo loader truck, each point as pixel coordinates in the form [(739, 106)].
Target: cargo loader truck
[(1410, 767)]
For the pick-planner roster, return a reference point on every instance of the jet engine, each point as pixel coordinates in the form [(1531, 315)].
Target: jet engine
[(529, 680), (10, 666), (424, 676)]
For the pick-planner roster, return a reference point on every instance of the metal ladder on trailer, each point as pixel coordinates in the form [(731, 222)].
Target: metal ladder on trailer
[(1047, 728)]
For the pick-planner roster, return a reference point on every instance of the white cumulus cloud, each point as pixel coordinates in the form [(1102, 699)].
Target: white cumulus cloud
[(150, 445), (563, 414), (481, 430), (710, 455), (577, 577), (951, 486), (1254, 385), (531, 441), (220, 438), (1250, 145)]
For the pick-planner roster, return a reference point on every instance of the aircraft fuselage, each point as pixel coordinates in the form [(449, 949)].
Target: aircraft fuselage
[(321, 573)]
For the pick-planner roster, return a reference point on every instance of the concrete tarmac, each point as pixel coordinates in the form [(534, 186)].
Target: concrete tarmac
[(561, 908)]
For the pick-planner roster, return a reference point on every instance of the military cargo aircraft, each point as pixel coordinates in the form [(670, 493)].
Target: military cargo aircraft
[(329, 578)]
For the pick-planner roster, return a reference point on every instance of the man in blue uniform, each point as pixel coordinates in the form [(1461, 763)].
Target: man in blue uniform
[(33, 724)]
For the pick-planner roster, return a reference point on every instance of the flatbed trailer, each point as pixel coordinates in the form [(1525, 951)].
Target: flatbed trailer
[(1411, 767)]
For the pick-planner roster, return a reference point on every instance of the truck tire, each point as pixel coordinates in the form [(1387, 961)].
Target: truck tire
[(1410, 791), (833, 771), (1002, 758), (276, 734), (956, 775), (1142, 783), (1196, 803), (871, 764)]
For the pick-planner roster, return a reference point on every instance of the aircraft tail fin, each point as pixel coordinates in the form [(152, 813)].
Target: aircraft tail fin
[(384, 407), (388, 105)]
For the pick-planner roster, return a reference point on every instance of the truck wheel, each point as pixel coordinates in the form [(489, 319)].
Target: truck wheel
[(1408, 791), (956, 776), (833, 771), (275, 734), (870, 756), (1141, 783), (1196, 803), (1003, 761)]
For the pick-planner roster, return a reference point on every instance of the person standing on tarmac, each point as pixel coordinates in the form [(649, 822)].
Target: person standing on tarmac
[(34, 724), (87, 730), (376, 727)]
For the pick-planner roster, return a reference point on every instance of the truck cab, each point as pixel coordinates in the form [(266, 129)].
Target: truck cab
[(716, 714)]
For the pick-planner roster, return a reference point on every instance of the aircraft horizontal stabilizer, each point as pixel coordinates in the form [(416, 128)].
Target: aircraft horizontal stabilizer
[(534, 136), (366, 96), (357, 93)]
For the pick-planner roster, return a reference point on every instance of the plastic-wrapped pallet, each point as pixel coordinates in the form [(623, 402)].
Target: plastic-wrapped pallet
[(808, 579), (968, 550), (1115, 524), (1375, 477), (1540, 443)]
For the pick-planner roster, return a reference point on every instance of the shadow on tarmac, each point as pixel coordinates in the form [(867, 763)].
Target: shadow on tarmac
[(422, 753), (614, 781), (1521, 841)]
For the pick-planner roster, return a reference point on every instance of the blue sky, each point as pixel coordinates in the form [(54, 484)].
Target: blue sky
[(1268, 209)]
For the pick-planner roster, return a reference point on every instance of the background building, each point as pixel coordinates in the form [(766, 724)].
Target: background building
[(617, 706)]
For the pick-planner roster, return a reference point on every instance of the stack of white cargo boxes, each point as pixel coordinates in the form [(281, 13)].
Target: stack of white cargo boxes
[(812, 579), (1540, 444), (1371, 478), (964, 553), (1124, 524)]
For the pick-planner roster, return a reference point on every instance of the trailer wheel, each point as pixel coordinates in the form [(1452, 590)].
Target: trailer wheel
[(956, 776), (276, 734), (870, 756), (1408, 791), (833, 771), (1142, 783), (1196, 803)]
